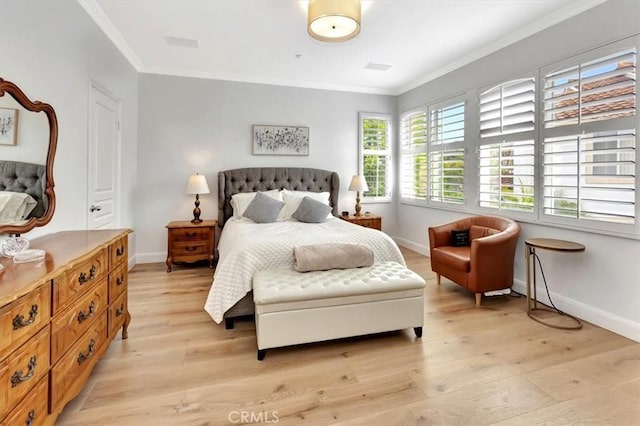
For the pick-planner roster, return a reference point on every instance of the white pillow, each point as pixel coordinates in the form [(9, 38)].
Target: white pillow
[(15, 206), (241, 200), (292, 200)]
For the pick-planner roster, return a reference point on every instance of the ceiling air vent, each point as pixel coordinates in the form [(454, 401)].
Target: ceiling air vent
[(377, 67), (182, 41)]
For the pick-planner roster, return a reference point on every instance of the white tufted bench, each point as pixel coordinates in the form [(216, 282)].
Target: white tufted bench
[(294, 307)]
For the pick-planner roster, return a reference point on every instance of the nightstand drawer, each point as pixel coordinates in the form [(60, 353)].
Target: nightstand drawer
[(190, 249), (195, 234)]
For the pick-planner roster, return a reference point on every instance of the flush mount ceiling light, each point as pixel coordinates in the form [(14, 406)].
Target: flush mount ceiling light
[(334, 20)]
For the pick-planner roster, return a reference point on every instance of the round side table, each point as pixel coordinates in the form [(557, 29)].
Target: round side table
[(531, 244)]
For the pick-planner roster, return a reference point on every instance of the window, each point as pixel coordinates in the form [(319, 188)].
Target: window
[(413, 156), (589, 141), (375, 148), (506, 155), (446, 160)]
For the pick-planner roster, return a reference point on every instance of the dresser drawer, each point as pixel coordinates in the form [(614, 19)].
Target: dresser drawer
[(187, 234), (20, 372), (190, 249), (118, 251), (70, 324), (22, 318), (32, 411), (71, 372), (117, 313), (118, 282), (81, 277)]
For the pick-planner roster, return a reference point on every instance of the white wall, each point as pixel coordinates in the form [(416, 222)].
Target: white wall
[(53, 50), (189, 125), (603, 284)]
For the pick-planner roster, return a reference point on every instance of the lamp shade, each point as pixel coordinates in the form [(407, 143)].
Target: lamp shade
[(334, 20), (358, 183), (197, 185)]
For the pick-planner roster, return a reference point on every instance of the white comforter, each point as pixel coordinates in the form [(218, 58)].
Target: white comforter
[(246, 247)]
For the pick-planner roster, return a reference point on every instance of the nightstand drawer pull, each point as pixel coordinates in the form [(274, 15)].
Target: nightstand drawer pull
[(30, 418), (120, 311), (18, 378), (19, 321), (83, 278), (191, 234), (83, 356), (120, 280), (191, 248), (82, 316), (120, 251)]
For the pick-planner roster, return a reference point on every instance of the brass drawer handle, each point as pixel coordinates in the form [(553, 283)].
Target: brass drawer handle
[(119, 251), (30, 418), (19, 321), (82, 316), (120, 311), (191, 234), (18, 378), (120, 280), (83, 278), (83, 356), (191, 248)]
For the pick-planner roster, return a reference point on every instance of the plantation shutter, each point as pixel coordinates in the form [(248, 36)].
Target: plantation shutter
[(508, 108), (413, 161), (446, 159), (375, 149)]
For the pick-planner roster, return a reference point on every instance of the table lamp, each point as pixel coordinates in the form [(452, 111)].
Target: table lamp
[(197, 185), (358, 184)]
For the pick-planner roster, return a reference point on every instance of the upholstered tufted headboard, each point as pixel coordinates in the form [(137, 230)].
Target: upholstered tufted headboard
[(265, 178), (25, 177)]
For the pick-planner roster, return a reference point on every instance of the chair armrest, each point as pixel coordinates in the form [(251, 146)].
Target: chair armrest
[(492, 260)]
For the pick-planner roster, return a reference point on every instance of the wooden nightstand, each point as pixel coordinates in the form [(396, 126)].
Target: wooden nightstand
[(190, 242), (366, 220)]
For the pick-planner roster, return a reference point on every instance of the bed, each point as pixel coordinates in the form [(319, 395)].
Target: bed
[(271, 244), (25, 178)]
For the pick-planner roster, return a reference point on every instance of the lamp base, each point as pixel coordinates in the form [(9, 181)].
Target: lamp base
[(358, 208), (196, 211)]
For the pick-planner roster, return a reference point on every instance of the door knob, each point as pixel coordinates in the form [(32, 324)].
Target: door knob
[(94, 208)]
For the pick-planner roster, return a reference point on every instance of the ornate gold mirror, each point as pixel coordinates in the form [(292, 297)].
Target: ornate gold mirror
[(28, 139)]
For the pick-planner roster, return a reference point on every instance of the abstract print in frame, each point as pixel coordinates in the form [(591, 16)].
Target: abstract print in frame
[(280, 140)]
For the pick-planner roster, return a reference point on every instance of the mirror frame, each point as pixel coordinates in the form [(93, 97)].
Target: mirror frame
[(7, 87)]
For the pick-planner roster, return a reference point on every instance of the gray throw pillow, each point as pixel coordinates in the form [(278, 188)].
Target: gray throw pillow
[(311, 211), (263, 209)]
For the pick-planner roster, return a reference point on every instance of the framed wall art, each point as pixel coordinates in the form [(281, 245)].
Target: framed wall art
[(8, 126), (280, 140)]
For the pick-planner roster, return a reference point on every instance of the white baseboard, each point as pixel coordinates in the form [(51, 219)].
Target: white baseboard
[(424, 250), (151, 257), (596, 316), (131, 262)]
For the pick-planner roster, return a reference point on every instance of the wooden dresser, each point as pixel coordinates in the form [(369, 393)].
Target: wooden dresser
[(57, 317)]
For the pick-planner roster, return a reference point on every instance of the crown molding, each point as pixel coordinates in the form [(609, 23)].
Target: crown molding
[(570, 10), (97, 14)]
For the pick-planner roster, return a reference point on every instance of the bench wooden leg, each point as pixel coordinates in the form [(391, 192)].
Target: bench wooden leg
[(478, 298), (228, 323), (438, 279), (261, 354), (418, 331)]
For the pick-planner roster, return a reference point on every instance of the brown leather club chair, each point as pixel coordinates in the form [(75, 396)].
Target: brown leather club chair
[(486, 264)]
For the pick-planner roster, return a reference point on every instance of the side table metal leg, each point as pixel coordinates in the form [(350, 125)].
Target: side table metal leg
[(527, 256)]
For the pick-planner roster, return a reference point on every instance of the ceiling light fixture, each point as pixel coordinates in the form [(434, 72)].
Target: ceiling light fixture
[(334, 20)]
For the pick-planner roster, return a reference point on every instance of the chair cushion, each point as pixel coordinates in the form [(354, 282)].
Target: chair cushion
[(458, 258), (477, 231)]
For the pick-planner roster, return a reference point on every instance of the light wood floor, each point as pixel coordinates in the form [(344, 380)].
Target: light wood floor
[(473, 366)]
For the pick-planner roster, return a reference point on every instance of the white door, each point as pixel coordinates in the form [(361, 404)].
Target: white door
[(103, 164)]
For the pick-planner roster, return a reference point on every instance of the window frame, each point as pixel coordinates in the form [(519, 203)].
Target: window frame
[(388, 153), (587, 128), (413, 151)]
